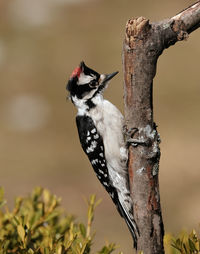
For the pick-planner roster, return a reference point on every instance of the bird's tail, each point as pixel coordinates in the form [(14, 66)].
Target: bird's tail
[(130, 223)]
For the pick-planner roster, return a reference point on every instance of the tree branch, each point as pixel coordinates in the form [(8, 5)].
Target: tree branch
[(144, 43)]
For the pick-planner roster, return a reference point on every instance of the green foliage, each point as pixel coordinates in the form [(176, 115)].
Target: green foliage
[(185, 243), (37, 225)]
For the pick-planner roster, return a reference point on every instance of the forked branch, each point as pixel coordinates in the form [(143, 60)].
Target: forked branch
[(144, 43)]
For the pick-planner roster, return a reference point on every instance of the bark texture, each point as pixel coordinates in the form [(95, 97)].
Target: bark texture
[(144, 43)]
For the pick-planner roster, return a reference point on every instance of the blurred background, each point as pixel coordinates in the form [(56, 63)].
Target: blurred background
[(41, 42)]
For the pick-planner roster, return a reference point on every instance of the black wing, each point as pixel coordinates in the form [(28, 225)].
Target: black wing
[(92, 144)]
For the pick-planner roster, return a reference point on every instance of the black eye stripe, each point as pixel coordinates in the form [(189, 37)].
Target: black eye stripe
[(80, 90)]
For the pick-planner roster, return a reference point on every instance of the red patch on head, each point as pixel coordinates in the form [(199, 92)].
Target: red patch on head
[(76, 72)]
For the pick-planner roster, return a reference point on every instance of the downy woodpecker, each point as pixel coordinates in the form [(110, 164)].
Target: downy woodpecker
[(100, 128)]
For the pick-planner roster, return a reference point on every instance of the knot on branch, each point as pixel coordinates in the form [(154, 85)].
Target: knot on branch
[(145, 137), (152, 139), (180, 29), (136, 29)]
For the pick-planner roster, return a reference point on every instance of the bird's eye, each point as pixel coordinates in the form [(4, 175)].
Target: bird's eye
[(93, 83)]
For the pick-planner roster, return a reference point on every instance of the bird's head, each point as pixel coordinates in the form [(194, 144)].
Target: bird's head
[(85, 83)]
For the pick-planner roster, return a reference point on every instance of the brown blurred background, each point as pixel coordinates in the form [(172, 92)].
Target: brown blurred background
[(41, 42)]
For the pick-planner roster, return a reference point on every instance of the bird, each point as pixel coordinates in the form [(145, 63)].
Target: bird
[(100, 128)]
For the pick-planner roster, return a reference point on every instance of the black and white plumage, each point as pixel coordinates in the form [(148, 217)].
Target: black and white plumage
[(100, 126)]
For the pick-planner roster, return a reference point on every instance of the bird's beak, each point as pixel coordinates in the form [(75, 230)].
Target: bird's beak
[(109, 76), (104, 78)]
